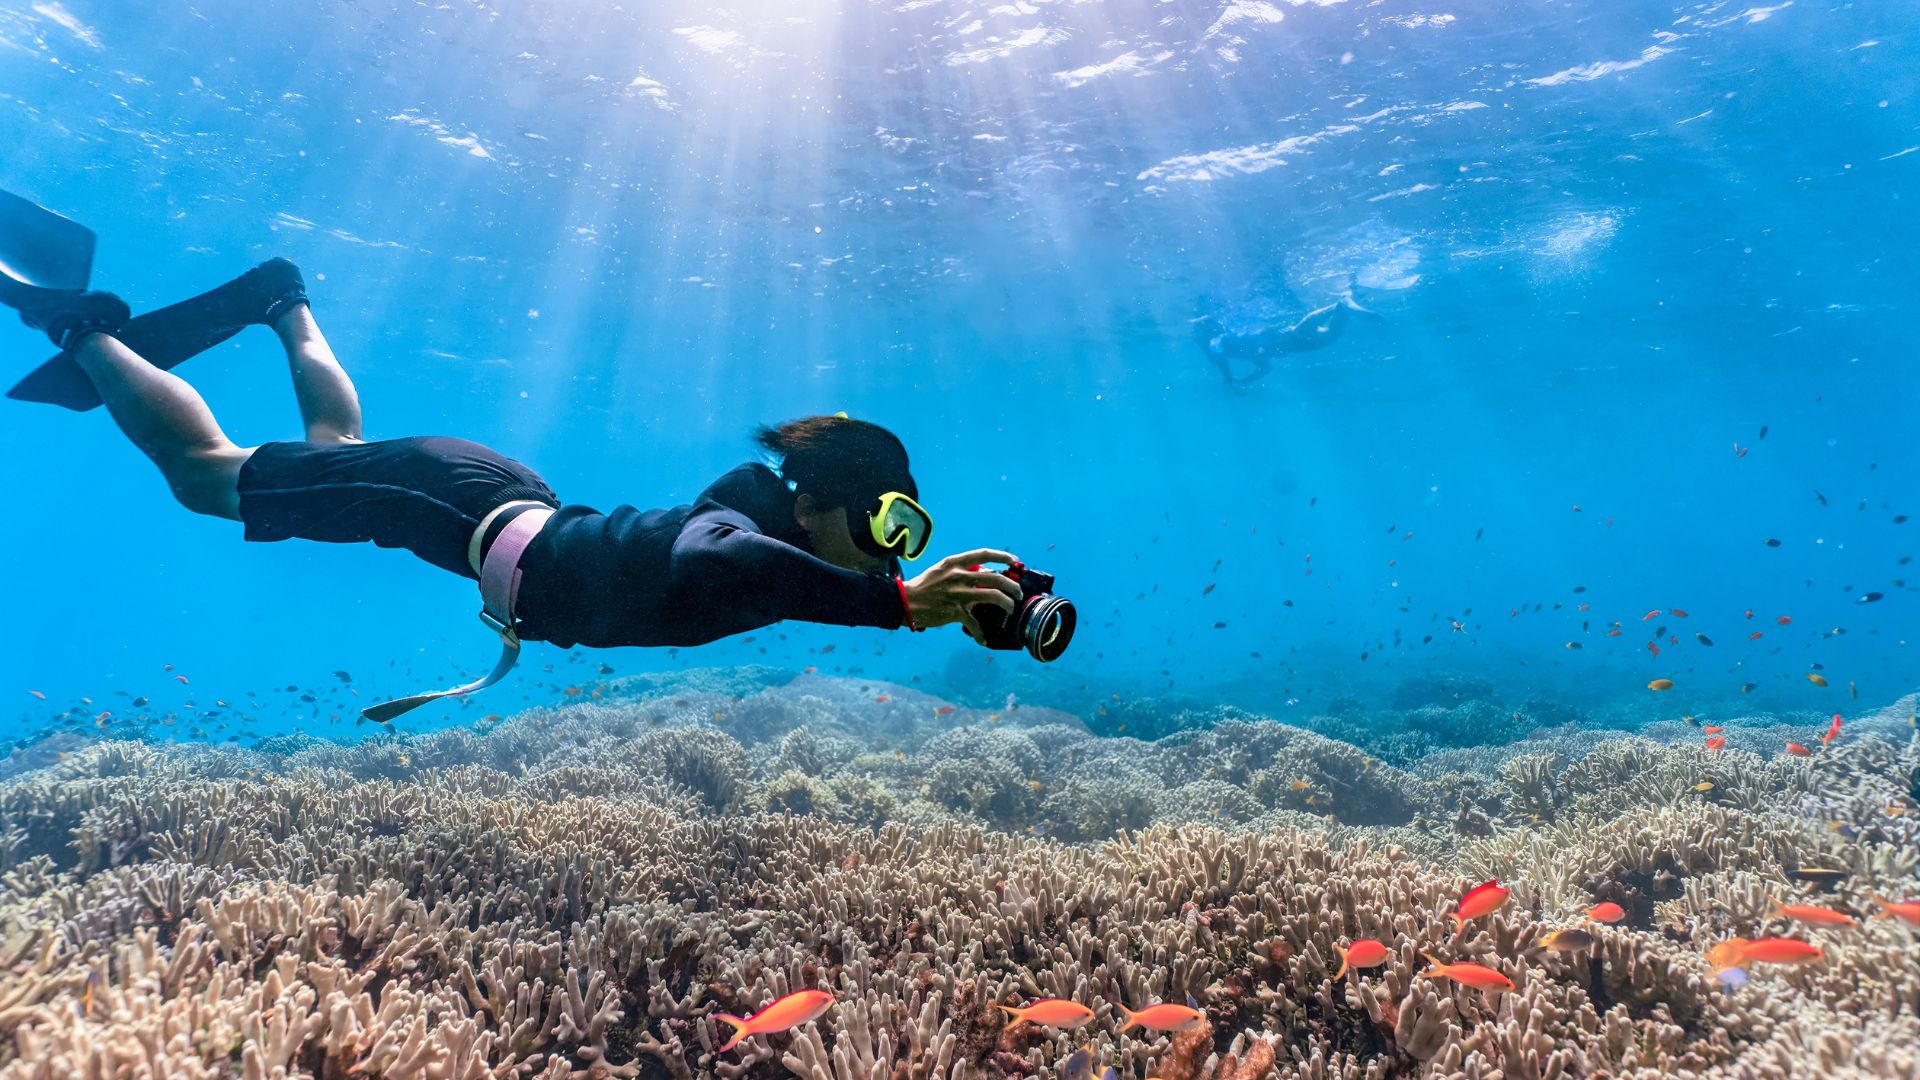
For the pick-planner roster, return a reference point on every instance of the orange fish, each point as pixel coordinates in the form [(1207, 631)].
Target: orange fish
[(1785, 620), (1716, 742), (1364, 953), (791, 1011), (182, 678), (1479, 900), (1816, 678), (1811, 914), (1713, 729), (1779, 950), (1755, 636), (884, 698), (1165, 1017), (1053, 1012), (1475, 975), (1797, 750), (1833, 729), (1606, 911), (1907, 912), (1728, 953), (1651, 615), (1660, 684)]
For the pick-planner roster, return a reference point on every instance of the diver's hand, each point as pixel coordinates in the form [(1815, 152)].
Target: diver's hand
[(945, 592)]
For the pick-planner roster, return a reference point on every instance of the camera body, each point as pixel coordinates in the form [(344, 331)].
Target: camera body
[(1042, 623)]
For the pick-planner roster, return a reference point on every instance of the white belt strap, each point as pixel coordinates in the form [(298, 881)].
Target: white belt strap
[(499, 589)]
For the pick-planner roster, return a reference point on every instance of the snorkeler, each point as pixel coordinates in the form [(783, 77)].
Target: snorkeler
[(1259, 349), (818, 541)]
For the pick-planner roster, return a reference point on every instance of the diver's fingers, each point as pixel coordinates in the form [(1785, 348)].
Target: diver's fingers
[(968, 624), (987, 579), (966, 598), (980, 555)]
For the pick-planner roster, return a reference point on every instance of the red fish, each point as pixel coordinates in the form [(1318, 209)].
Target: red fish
[(1606, 911), (1052, 1012), (1749, 613), (884, 698), (1833, 731), (1475, 975), (944, 710), (1784, 620), (1164, 1017), (1755, 636), (1479, 900), (1797, 750), (1777, 950), (1716, 742), (1812, 914), (791, 1011), (1908, 912), (1364, 953), (1651, 615), (1676, 613), (1652, 648), (1713, 729)]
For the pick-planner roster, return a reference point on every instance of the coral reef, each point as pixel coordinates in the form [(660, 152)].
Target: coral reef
[(577, 892)]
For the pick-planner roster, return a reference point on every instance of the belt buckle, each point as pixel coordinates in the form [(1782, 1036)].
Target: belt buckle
[(506, 632)]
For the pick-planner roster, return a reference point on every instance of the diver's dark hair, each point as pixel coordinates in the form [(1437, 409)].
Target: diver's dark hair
[(838, 460)]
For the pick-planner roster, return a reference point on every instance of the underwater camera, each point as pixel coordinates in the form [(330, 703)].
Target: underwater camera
[(1042, 624)]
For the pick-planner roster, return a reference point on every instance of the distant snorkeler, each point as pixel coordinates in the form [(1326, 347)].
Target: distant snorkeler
[(1244, 357), (818, 541)]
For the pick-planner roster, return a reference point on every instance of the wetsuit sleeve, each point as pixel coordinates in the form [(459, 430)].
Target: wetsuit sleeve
[(718, 561)]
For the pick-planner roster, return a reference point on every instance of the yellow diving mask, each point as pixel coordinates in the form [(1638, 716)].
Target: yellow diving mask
[(899, 526)]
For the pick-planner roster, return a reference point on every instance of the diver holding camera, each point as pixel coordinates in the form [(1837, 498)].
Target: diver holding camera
[(818, 538)]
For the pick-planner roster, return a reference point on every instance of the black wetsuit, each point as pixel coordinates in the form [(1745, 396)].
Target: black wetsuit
[(733, 560)]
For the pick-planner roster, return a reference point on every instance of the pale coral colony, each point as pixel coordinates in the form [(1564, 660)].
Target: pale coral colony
[(581, 891)]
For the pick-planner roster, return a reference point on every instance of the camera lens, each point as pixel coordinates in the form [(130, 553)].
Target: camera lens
[(1046, 627)]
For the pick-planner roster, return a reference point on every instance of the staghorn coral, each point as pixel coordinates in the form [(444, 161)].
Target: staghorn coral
[(574, 892)]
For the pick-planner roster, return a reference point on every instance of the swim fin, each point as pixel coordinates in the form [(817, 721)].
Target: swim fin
[(39, 249)]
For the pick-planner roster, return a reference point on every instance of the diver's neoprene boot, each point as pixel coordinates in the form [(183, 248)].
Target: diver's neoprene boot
[(271, 289), (67, 316)]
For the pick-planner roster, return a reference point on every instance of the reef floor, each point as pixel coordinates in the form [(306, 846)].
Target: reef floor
[(580, 891)]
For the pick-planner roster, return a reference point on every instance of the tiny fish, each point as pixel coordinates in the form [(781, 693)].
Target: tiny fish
[(1812, 914), (1785, 620), (182, 679), (1163, 1017), (791, 1011), (38, 694), (1078, 1065), (1703, 639), (1814, 875), (1870, 597), (1210, 587), (883, 698), (1364, 953), (1779, 951), (1716, 742), (1816, 678), (1660, 684), (1748, 688), (343, 676), (1676, 613), (1479, 900), (1755, 636), (1714, 729), (1606, 911), (1052, 1012), (1833, 730), (1704, 785), (1568, 940), (1797, 750), (1763, 434), (1475, 975), (1573, 645), (1771, 542), (1908, 911), (944, 710), (1651, 615)]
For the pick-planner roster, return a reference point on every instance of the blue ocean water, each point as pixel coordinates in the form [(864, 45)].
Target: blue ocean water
[(1645, 274)]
